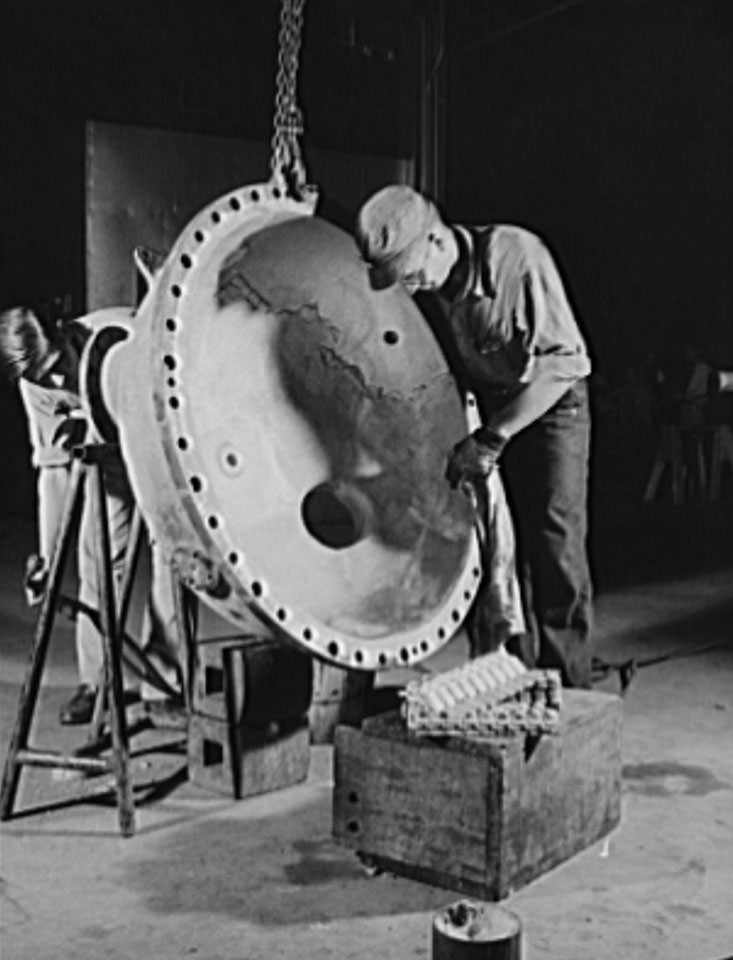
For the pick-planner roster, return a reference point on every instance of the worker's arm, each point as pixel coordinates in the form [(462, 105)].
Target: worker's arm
[(539, 396), (476, 455), (544, 325)]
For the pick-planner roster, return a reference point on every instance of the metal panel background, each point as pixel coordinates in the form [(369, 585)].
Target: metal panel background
[(143, 185)]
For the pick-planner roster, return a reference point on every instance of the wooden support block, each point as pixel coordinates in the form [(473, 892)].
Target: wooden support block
[(208, 697), (339, 696), (251, 680), (482, 817), (245, 762)]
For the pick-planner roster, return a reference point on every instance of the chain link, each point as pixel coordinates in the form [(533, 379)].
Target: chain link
[(286, 164)]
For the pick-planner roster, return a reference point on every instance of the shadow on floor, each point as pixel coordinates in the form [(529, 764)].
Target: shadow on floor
[(281, 869)]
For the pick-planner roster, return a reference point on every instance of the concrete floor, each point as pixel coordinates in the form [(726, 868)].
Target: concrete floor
[(209, 877)]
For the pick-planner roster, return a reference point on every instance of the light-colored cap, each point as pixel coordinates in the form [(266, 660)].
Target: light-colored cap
[(387, 226)]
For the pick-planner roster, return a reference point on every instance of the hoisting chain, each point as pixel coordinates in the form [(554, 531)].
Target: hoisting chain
[(286, 164)]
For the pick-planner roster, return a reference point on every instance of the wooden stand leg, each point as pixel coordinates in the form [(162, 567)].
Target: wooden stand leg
[(39, 646), (109, 619), (722, 451), (132, 550), (186, 619), (669, 453), (113, 662)]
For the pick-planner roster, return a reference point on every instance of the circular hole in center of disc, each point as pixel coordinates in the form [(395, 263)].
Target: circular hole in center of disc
[(336, 514)]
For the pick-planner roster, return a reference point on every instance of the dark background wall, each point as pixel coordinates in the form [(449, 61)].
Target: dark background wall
[(605, 125), (205, 66), (608, 127)]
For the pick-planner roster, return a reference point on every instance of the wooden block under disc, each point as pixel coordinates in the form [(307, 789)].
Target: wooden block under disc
[(244, 762)]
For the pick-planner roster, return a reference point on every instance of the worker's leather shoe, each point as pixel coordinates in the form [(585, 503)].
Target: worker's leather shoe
[(81, 706)]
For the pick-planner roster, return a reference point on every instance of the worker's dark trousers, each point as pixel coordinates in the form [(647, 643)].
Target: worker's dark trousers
[(545, 468)]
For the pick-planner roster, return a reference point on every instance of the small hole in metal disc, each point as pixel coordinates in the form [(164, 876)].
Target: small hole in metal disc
[(171, 324), (176, 290), (186, 261), (391, 337), (216, 216), (169, 361), (441, 633), (276, 193), (404, 654), (256, 588), (307, 634), (174, 403), (456, 616), (281, 614), (333, 648), (196, 484), (254, 195), (198, 236), (234, 558), (213, 522), (234, 203), (359, 656)]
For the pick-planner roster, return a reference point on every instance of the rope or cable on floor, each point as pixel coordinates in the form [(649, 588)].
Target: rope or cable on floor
[(627, 669)]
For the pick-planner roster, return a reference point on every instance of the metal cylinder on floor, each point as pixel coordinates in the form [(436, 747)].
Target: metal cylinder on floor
[(471, 930)]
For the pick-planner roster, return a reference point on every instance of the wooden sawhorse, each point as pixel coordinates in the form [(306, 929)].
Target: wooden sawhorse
[(110, 619)]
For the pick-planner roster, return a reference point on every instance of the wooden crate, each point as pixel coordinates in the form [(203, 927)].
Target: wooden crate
[(480, 817), (241, 762)]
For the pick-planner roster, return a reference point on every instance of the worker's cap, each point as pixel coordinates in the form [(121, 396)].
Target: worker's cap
[(387, 227)]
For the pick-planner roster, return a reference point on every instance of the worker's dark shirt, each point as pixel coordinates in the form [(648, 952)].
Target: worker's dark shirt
[(510, 314)]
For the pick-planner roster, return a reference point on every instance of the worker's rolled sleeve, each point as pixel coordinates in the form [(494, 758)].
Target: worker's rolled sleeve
[(545, 320)]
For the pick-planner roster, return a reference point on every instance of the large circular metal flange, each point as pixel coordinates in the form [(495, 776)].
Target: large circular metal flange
[(304, 421)]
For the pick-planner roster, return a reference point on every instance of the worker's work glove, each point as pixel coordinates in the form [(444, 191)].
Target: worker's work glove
[(70, 433), (473, 459), (35, 578)]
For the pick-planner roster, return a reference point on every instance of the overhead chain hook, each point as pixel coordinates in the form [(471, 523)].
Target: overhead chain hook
[(286, 163)]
